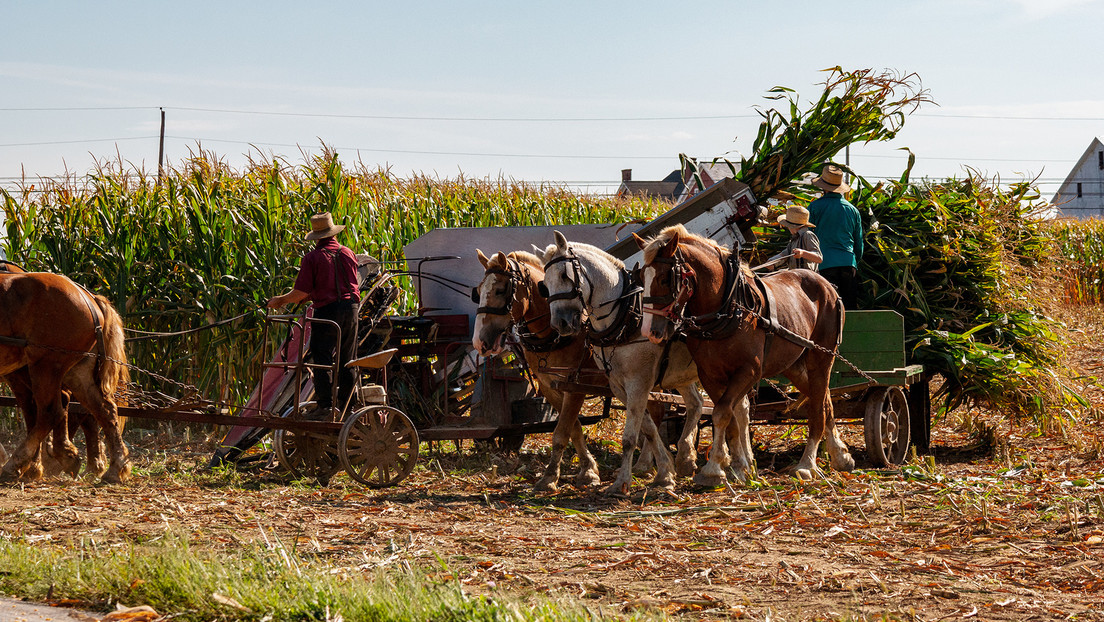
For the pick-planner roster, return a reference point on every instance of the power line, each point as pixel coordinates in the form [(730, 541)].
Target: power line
[(447, 153), (76, 142), (512, 119)]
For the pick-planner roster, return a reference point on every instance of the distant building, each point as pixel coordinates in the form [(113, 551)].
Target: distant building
[(709, 173), (668, 189), (1082, 194), (677, 186)]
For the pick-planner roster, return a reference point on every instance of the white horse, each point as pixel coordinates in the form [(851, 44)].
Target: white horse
[(583, 281)]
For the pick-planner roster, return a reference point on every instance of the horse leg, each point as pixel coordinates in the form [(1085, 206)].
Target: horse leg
[(739, 441), (93, 446), (686, 461), (647, 458), (45, 392), (724, 410), (588, 466), (566, 420), (837, 449), (20, 383), (87, 390), (712, 475), (64, 451), (637, 423)]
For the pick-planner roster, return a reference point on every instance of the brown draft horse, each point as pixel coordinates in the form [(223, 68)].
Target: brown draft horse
[(507, 296), (48, 339), (726, 319), (20, 380)]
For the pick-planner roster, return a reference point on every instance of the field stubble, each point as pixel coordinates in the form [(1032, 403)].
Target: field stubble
[(1000, 523)]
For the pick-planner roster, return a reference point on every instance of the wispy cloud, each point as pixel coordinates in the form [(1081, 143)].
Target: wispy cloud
[(1043, 9)]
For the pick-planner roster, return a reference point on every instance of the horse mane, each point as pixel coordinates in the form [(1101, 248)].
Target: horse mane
[(594, 250), (665, 236), (526, 257)]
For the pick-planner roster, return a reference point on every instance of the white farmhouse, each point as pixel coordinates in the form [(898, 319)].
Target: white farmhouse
[(1082, 194)]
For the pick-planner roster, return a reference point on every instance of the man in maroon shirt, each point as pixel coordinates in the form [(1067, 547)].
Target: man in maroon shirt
[(328, 278)]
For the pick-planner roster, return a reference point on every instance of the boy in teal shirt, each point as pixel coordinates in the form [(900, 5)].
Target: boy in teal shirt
[(839, 228)]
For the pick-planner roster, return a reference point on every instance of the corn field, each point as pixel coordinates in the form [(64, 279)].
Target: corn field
[(209, 243), (1081, 246)]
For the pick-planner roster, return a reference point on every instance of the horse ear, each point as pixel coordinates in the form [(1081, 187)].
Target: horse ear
[(541, 253), (561, 241), (499, 258), (482, 258), (641, 242), (671, 246)]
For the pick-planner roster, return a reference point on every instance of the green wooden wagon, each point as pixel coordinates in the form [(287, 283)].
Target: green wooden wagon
[(889, 397), (877, 388)]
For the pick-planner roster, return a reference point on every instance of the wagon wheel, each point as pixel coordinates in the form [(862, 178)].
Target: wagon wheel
[(378, 446), (886, 426), (307, 454)]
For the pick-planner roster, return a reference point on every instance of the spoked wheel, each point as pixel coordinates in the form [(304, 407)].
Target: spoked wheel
[(886, 426), (378, 446), (306, 454)]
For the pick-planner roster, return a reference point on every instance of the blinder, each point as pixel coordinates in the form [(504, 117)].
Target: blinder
[(511, 288), (576, 291)]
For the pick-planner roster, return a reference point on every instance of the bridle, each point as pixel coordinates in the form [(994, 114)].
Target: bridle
[(576, 291), (674, 302), (738, 299), (513, 276), (518, 276), (626, 309)]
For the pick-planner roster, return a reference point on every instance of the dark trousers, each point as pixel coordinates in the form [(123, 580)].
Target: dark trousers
[(322, 346), (846, 281)]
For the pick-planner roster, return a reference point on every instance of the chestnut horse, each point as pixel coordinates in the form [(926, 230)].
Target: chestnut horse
[(20, 382), (507, 296), (589, 291), (741, 329), (58, 334)]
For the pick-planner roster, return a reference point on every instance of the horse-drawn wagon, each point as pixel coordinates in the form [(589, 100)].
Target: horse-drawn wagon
[(424, 381)]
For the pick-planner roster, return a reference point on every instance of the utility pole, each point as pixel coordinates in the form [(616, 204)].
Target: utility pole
[(161, 149)]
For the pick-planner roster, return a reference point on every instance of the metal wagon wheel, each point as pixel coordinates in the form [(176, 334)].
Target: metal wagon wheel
[(304, 454), (378, 446), (886, 426)]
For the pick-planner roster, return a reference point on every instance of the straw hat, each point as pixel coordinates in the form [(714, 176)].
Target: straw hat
[(796, 215), (322, 226), (831, 179)]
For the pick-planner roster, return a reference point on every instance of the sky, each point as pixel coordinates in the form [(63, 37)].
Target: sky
[(561, 92)]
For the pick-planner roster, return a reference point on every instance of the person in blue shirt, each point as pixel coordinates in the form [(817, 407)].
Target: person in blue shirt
[(839, 228)]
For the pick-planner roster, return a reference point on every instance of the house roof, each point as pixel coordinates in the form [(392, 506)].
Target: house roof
[(1094, 146), (665, 189)]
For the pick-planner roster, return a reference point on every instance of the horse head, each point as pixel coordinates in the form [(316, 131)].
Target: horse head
[(565, 286), (668, 284), (495, 296)]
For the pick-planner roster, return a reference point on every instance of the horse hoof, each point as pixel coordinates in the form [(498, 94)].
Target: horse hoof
[(686, 468), (738, 476), (97, 468), (116, 476), (710, 481), (847, 463), (546, 484), (32, 473), (617, 490), (805, 475), (586, 479)]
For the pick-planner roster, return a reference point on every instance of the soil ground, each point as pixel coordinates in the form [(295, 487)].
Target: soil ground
[(999, 523)]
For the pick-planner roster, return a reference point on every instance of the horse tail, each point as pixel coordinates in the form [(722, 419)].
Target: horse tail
[(112, 368)]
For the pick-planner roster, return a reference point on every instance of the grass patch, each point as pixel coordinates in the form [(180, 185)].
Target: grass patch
[(255, 583)]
